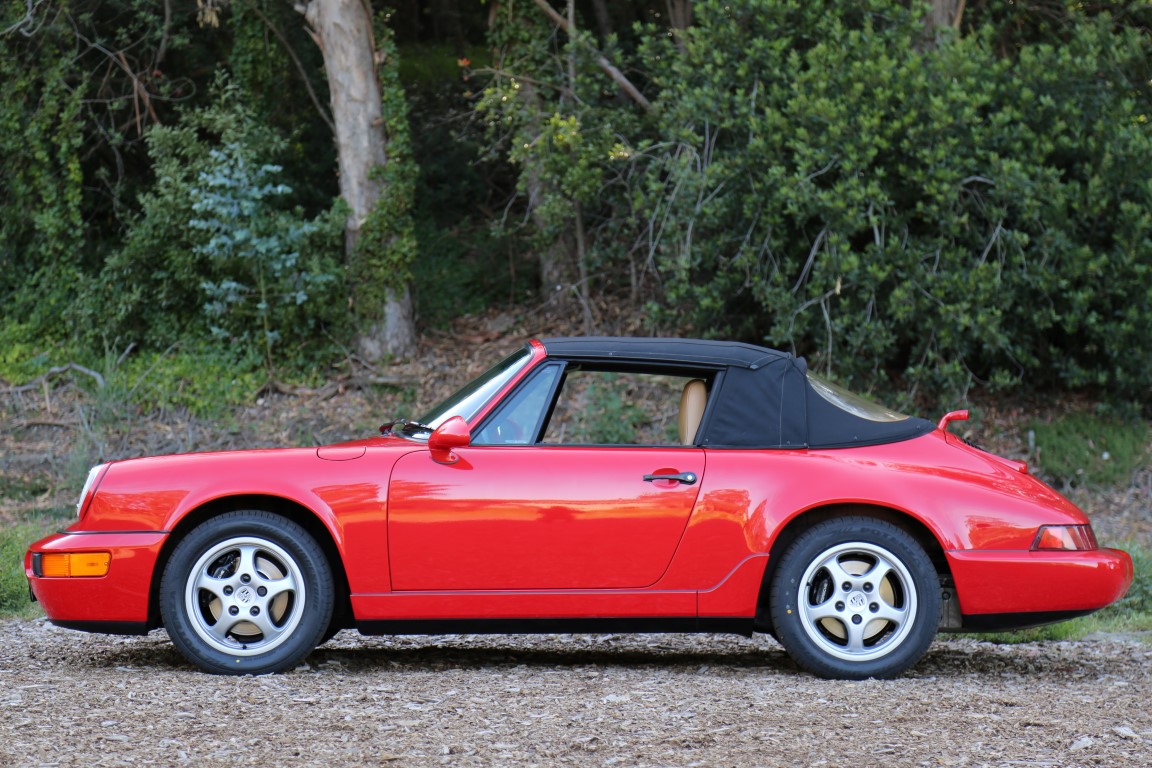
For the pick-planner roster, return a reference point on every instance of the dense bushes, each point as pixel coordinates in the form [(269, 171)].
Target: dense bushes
[(930, 215), (914, 212), (215, 253)]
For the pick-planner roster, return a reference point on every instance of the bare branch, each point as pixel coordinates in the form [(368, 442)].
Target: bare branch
[(299, 68), (617, 76), (27, 25), (41, 380)]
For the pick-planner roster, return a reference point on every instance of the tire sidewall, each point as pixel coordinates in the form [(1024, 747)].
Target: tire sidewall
[(293, 539), (785, 594)]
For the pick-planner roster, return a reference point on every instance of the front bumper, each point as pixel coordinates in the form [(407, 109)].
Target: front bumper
[(119, 598), (1039, 582)]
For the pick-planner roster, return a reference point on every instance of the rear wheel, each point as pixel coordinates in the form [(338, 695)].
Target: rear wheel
[(247, 593), (855, 598)]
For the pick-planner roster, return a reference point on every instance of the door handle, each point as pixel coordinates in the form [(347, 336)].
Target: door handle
[(684, 478)]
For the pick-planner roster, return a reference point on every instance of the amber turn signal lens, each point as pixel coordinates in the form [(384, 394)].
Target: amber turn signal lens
[(1066, 537), (63, 564)]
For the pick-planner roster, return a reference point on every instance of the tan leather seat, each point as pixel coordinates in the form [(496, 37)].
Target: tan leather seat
[(692, 402)]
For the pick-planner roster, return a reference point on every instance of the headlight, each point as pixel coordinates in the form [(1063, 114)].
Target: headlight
[(90, 484), (1065, 537)]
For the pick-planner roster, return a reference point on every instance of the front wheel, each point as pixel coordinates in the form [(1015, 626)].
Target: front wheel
[(247, 593), (854, 598)]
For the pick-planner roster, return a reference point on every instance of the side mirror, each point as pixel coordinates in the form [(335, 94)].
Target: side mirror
[(451, 434)]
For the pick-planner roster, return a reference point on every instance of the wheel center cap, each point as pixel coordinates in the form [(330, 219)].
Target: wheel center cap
[(245, 595), (857, 601)]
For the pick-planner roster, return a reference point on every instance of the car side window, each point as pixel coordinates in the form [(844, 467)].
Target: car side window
[(518, 420), (617, 408)]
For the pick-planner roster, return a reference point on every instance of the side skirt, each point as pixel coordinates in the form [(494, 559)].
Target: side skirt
[(727, 625)]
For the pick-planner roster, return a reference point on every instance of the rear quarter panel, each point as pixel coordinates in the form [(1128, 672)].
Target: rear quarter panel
[(967, 499)]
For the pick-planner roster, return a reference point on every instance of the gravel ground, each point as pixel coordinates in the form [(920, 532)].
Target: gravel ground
[(71, 699)]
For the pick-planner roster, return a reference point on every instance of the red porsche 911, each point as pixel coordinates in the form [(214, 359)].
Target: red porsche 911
[(588, 485)]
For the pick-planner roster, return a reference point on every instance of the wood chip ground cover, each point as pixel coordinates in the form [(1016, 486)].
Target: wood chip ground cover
[(72, 699)]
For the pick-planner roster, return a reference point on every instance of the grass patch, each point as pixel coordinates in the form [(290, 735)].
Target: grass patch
[(206, 382), (14, 540), (1087, 448)]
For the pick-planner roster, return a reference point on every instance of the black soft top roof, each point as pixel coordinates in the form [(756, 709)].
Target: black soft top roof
[(764, 399), (699, 351)]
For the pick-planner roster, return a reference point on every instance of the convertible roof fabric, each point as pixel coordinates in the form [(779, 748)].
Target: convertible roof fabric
[(732, 353), (764, 399)]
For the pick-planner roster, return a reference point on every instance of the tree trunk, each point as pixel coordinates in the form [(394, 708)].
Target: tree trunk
[(942, 14), (945, 13), (343, 30)]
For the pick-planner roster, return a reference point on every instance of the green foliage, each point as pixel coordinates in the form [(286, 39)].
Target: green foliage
[(608, 419), (23, 354), (1086, 448), (463, 264), (456, 275), (270, 55), (251, 240), (14, 541), (205, 380), (41, 219), (215, 252), (934, 216), (555, 112), (1137, 601)]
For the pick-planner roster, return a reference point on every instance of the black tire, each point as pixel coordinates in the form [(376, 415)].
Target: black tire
[(855, 597), (247, 593)]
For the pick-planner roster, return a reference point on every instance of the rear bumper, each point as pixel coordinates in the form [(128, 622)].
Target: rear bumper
[(1044, 582), (118, 599)]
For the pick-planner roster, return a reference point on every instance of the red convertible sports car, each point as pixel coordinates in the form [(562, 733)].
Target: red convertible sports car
[(588, 485)]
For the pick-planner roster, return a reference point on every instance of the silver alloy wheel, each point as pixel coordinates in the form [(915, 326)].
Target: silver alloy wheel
[(857, 601), (245, 596)]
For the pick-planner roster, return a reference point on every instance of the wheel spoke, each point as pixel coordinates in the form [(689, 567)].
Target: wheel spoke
[(205, 582), (856, 636), (277, 587), (247, 564), (263, 622), (877, 573), (221, 628), (825, 610), (891, 613), (837, 573)]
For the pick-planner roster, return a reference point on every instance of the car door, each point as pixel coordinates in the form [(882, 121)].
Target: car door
[(596, 498)]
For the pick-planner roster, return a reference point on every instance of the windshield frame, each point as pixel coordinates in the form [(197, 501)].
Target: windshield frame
[(468, 401)]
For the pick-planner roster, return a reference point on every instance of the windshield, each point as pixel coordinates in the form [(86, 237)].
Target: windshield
[(851, 402), (468, 401)]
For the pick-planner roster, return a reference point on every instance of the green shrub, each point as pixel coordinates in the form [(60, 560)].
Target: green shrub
[(42, 222), (925, 217), (217, 253)]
